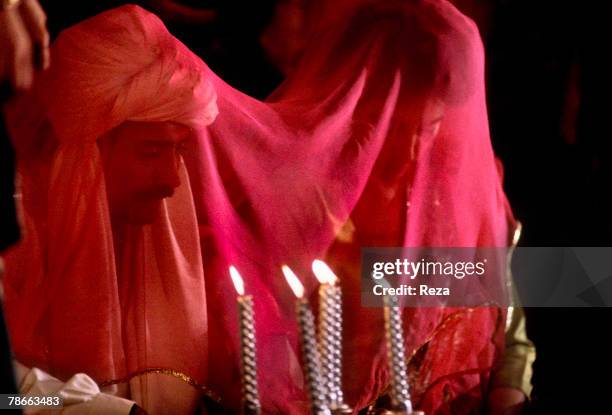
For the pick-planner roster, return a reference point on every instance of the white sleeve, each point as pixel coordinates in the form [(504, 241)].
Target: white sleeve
[(81, 394)]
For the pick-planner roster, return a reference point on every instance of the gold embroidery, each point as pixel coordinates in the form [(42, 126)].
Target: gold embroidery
[(445, 322), (166, 371)]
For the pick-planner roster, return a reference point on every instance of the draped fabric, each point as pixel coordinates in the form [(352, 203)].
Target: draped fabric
[(79, 298), (378, 138)]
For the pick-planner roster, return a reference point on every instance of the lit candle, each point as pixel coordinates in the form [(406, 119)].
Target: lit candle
[(310, 353), (250, 395), (396, 358), (330, 335)]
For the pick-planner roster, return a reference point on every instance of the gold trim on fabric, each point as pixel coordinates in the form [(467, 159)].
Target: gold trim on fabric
[(439, 328), (447, 320), (516, 236), (165, 371)]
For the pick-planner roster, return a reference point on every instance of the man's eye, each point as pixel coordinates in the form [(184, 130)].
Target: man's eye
[(150, 151), (182, 147)]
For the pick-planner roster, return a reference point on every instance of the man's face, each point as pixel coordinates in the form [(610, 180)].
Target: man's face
[(141, 167)]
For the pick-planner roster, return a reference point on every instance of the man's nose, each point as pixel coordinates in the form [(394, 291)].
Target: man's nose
[(168, 174)]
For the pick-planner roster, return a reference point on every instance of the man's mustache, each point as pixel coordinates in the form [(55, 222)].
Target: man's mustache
[(160, 192)]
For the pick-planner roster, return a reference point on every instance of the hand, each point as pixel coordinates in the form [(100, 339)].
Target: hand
[(506, 401), (24, 43)]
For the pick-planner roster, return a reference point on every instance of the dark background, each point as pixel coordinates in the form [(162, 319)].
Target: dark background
[(548, 94)]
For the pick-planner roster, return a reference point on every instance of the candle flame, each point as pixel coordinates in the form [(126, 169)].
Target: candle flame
[(293, 281), (237, 280), (323, 272)]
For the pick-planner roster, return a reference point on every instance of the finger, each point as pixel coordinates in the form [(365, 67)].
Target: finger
[(35, 21), (22, 70), (19, 57)]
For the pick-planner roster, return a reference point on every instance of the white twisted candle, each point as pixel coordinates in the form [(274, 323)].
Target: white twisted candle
[(310, 351), (400, 394), (250, 394)]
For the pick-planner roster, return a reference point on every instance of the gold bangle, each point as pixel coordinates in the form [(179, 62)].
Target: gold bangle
[(9, 4)]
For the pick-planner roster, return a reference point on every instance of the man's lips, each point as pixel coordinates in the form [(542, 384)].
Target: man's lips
[(156, 194)]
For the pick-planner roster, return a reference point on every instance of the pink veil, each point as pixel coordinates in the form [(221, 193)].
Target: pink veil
[(284, 181)]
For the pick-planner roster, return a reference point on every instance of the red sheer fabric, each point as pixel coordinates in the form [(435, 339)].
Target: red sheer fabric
[(378, 138), (79, 297)]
